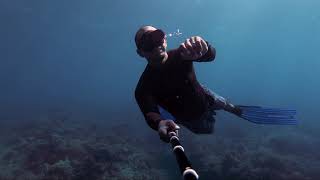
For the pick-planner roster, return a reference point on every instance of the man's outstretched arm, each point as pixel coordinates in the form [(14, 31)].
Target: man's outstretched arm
[(149, 109), (153, 117)]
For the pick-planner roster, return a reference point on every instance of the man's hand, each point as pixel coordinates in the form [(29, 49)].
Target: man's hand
[(166, 126), (193, 48)]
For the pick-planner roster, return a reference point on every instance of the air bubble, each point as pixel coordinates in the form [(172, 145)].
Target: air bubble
[(176, 33)]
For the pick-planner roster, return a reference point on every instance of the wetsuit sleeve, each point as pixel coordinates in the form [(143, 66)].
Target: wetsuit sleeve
[(148, 107), (209, 56)]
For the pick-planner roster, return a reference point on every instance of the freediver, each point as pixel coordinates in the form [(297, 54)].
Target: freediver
[(168, 92)]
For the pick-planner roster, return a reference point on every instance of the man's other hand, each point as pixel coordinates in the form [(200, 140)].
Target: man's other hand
[(166, 126), (193, 48)]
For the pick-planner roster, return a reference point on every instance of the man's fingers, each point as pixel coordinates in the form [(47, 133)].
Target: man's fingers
[(185, 53), (163, 131), (193, 40), (173, 125), (204, 47), (184, 49), (190, 43), (193, 48), (188, 46), (165, 127), (198, 44)]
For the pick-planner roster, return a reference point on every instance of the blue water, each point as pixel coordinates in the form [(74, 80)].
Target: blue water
[(80, 56)]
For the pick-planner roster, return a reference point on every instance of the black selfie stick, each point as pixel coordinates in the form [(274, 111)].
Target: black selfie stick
[(185, 166)]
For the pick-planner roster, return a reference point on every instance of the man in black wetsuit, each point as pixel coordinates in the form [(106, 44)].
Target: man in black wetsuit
[(169, 84)]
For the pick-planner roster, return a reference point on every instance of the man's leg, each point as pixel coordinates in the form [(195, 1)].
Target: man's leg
[(204, 125), (219, 102)]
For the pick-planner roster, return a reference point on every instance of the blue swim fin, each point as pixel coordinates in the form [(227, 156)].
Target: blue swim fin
[(263, 115)]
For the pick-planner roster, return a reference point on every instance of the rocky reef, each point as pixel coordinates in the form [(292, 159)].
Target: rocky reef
[(56, 150), (48, 151)]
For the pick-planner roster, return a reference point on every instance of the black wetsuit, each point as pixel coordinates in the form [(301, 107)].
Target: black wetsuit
[(174, 87)]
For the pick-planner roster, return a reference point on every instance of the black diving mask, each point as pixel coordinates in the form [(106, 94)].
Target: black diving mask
[(151, 40)]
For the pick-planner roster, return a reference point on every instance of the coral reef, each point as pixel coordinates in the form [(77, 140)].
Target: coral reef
[(60, 151), (45, 153), (255, 159)]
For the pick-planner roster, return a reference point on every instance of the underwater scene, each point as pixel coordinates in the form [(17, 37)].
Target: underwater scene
[(159, 90)]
